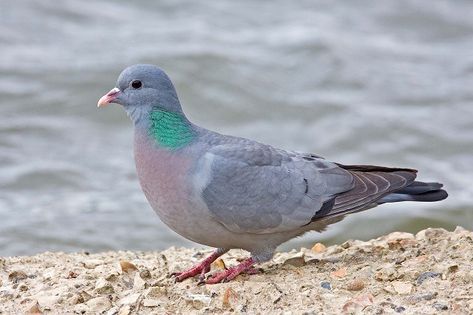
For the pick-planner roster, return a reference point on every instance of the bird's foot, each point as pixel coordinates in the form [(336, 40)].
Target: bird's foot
[(231, 273), (202, 268)]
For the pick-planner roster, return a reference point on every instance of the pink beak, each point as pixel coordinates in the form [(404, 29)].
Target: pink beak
[(108, 98)]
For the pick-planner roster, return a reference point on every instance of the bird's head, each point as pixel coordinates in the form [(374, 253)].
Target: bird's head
[(139, 89)]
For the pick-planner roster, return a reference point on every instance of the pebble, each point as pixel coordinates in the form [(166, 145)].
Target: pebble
[(431, 234), (199, 301), (138, 283), (452, 268), (112, 276), (218, 264), (17, 275), (419, 297), (34, 310), (129, 299), (49, 300), (92, 263), (358, 303), (75, 299), (102, 286), (296, 261), (402, 287), (145, 274), (439, 306), (386, 273), (125, 310), (227, 296), (113, 311), (151, 303), (81, 309), (318, 248), (99, 304), (396, 236), (399, 309), (356, 285), (326, 285), (84, 296), (155, 292), (340, 273), (127, 266), (426, 275)]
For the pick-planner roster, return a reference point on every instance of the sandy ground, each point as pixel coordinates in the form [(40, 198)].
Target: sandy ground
[(427, 273)]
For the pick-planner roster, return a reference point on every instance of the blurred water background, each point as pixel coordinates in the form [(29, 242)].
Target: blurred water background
[(372, 82)]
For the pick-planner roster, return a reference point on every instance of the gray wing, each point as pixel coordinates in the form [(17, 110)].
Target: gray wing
[(255, 188)]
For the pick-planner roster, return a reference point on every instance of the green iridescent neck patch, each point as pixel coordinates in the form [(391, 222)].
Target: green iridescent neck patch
[(170, 130)]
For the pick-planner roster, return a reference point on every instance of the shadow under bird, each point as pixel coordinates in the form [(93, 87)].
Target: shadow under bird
[(229, 192)]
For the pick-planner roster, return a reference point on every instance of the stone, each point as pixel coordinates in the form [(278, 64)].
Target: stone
[(426, 275), (399, 309), (34, 309), (154, 292), (17, 275), (340, 273), (402, 287), (326, 285), (99, 304), (125, 310), (92, 263), (296, 260), (218, 264), (358, 303), (440, 306), (49, 300), (127, 266), (413, 299), (199, 301), (129, 299), (102, 286), (356, 285), (145, 274), (227, 297), (318, 248), (138, 283), (113, 311), (152, 303)]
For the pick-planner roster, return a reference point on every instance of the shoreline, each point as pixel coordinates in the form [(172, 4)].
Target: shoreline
[(428, 273)]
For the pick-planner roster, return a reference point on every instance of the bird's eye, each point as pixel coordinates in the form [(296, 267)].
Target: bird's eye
[(136, 84)]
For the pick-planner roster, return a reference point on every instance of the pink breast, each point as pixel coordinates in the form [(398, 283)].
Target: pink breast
[(163, 176)]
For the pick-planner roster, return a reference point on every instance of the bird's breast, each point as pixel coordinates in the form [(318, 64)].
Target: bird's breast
[(167, 179), (162, 174)]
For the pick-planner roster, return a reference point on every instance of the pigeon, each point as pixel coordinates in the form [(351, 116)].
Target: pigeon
[(229, 192)]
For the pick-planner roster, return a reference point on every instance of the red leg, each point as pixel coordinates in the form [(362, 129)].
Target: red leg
[(202, 268), (231, 273)]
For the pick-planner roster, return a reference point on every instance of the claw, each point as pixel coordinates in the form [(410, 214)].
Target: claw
[(201, 268), (232, 273), (201, 282)]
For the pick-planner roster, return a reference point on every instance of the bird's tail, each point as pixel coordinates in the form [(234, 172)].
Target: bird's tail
[(374, 185), (416, 191)]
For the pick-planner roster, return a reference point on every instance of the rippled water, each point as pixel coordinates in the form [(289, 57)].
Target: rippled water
[(384, 82)]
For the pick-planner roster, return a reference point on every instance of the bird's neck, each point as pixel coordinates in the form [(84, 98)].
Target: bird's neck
[(170, 130)]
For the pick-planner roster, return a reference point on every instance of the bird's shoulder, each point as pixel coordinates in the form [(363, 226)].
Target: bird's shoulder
[(253, 153)]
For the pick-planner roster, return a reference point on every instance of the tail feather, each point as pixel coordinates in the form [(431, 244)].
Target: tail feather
[(370, 184), (417, 191), (374, 185)]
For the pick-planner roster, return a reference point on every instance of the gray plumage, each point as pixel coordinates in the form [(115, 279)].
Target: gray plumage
[(231, 192)]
